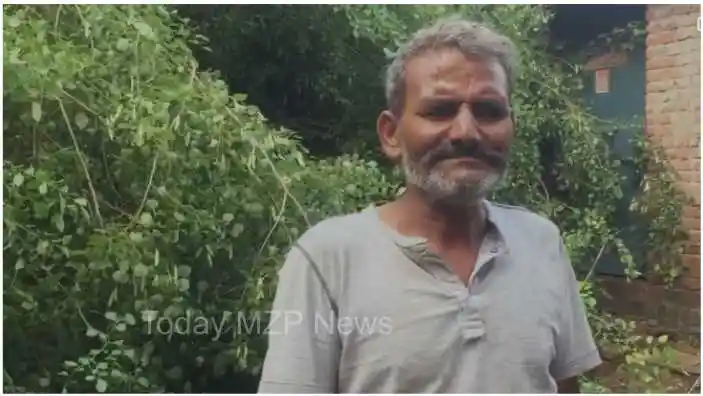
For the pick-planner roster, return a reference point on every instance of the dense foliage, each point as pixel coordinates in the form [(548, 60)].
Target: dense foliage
[(137, 187)]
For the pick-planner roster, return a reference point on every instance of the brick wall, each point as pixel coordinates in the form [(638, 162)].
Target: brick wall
[(672, 113)]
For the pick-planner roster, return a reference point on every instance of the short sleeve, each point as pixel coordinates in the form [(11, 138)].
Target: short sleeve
[(576, 351), (303, 345)]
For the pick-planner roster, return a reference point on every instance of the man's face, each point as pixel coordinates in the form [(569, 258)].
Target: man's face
[(453, 134)]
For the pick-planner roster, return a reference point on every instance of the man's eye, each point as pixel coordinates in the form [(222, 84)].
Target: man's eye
[(488, 111), (442, 110)]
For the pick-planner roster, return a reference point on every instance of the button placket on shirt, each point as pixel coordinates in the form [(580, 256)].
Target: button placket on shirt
[(470, 319)]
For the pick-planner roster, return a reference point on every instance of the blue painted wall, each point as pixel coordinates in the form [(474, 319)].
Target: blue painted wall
[(625, 102), (573, 26)]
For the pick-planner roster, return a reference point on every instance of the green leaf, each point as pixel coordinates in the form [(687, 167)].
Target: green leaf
[(237, 230), (227, 217), (91, 332), (101, 385), (111, 316), (81, 120), (42, 247), (120, 276), (174, 373), (144, 29), (184, 271), (136, 236), (129, 319), (122, 44), (18, 180), (140, 270), (145, 219), (58, 222), (70, 364), (81, 201), (36, 111), (43, 189)]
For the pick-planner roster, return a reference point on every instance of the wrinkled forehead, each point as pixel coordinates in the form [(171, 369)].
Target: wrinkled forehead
[(448, 72)]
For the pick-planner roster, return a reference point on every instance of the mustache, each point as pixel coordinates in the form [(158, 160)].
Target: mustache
[(463, 149)]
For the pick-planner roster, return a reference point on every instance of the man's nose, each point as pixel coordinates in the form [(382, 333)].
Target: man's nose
[(464, 126)]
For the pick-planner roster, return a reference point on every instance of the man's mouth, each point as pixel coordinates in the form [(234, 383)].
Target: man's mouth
[(473, 161)]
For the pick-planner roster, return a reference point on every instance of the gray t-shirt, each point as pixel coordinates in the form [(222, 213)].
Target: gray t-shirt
[(379, 313)]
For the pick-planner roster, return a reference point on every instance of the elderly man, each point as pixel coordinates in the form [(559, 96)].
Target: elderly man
[(439, 291)]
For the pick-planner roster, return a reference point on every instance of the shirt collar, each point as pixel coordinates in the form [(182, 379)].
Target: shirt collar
[(498, 228), (495, 231)]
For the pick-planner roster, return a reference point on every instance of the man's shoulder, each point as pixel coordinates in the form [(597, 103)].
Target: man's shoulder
[(331, 243), (515, 216), (337, 230)]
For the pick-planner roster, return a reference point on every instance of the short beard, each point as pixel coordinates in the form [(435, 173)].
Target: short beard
[(441, 191)]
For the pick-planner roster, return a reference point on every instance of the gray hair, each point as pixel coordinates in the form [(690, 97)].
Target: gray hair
[(471, 38)]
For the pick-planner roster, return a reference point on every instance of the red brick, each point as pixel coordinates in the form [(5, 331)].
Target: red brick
[(693, 248), (663, 37), (692, 212), (682, 82), (694, 48), (693, 190), (689, 175), (688, 32), (688, 170), (661, 24), (660, 11), (685, 298), (689, 9), (685, 121), (686, 16), (655, 52), (690, 283), (690, 164), (690, 261), (689, 223), (680, 47), (663, 74), (659, 86)]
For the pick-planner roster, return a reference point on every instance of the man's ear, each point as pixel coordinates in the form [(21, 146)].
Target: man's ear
[(387, 129)]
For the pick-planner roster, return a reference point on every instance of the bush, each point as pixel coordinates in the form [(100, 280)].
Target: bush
[(137, 188), (135, 184)]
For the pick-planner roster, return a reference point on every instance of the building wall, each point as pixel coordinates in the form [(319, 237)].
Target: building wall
[(673, 108), (672, 114)]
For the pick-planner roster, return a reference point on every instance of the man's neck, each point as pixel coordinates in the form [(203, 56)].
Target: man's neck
[(413, 214)]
